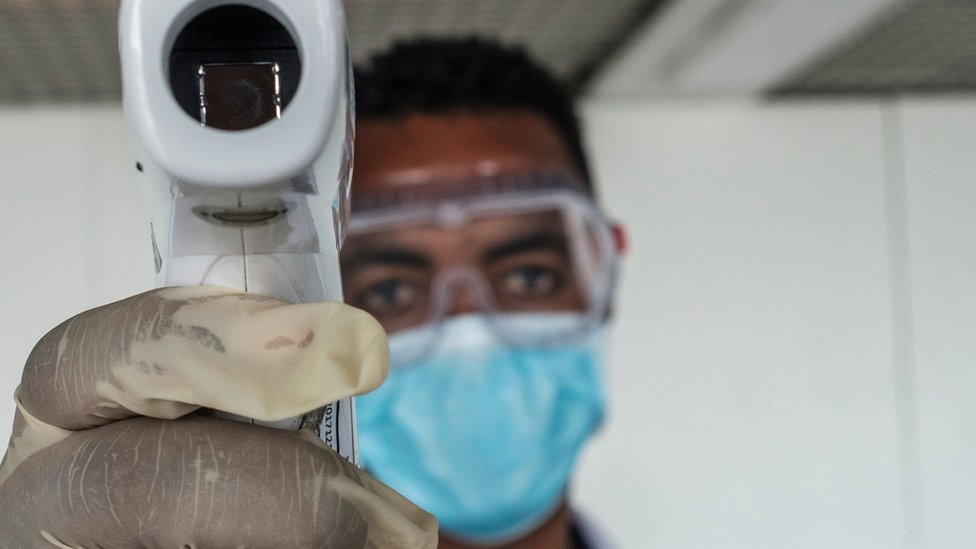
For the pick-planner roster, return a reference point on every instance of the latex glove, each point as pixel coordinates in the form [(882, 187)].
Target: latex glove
[(84, 469)]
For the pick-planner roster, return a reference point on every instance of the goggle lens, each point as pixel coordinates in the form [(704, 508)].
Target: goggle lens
[(553, 253)]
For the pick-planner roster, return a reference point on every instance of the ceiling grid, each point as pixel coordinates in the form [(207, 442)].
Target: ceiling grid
[(926, 46), (65, 50)]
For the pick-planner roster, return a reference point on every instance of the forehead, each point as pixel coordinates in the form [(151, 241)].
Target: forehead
[(418, 150)]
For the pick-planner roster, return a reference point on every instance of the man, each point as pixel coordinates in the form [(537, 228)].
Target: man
[(107, 452), (476, 242)]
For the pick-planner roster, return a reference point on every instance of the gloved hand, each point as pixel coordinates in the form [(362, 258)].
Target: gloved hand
[(98, 457)]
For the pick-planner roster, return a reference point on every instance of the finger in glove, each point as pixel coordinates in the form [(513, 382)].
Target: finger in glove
[(202, 482), (168, 352)]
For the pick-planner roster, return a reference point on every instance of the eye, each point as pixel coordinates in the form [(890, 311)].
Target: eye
[(389, 296), (530, 281)]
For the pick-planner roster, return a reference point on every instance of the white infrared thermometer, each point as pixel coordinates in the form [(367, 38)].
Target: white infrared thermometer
[(240, 120)]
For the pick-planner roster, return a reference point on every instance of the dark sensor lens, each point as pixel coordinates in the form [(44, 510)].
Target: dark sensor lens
[(234, 67), (239, 96)]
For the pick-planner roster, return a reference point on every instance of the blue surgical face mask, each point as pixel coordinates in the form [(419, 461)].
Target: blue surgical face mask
[(483, 435)]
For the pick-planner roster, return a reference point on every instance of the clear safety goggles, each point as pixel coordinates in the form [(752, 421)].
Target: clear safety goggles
[(514, 257)]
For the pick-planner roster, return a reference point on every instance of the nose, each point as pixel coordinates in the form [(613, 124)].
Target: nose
[(462, 290), (463, 300)]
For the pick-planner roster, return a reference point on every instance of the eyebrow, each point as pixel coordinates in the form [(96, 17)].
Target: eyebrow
[(541, 240), (387, 256)]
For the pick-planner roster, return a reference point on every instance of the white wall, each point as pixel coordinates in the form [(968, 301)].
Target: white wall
[(793, 352), (74, 234), (794, 355), (940, 296)]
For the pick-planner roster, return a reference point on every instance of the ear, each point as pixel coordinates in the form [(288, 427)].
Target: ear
[(620, 238)]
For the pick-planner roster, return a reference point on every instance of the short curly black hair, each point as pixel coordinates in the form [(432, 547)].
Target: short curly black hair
[(438, 75)]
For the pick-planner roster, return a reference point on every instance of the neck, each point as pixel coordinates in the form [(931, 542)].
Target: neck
[(552, 534)]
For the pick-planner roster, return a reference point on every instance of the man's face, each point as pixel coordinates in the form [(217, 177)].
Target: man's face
[(478, 213), (522, 258)]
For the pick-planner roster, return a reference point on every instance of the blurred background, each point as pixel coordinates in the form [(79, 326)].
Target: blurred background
[(794, 359)]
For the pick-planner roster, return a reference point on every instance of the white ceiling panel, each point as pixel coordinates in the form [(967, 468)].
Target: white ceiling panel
[(731, 47)]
